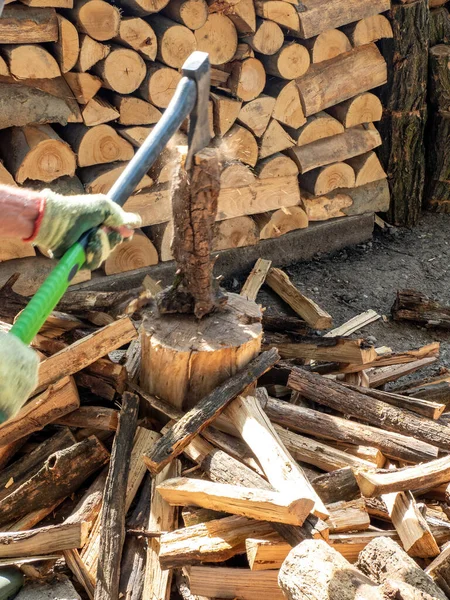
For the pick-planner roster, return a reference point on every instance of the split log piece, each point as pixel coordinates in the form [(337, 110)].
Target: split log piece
[(175, 42), (280, 222), (247, 502), (225, 112), (218, 37), (61, 474), (238, 143), (255, 279), (84, 86), (159, 85), (191, 13), (319, 126), (43, 540), (289, 62), (99, 179), (37, 152), (122, 71), (97, 145), (280, 283), (137, 34), (135, 111), (353, 142), (30, 61), (364, 108), (281, 470), (98, 19), (367, 168), (327, 178), (370, 29), (98, 111), (288, 107), (58, 399), (135, 254), (163, 517), (112, 535), (90, 53), (327, 45), (86, 351), (235, 233), (325, 84), (267, 39), (67, 47), (255, 115)]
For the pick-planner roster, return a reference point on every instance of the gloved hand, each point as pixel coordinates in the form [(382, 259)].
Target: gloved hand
[(63, 219), (18, 374)]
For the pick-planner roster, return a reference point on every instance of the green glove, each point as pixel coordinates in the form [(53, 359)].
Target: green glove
[(66, 218), (18, 374)]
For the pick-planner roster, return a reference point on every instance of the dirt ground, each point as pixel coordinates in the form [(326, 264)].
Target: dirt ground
[(356, 279)]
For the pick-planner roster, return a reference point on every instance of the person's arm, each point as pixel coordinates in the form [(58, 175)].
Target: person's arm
[(19, 209), (53, 222)]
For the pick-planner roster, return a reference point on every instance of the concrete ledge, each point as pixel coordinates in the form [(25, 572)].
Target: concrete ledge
[(303, 244)]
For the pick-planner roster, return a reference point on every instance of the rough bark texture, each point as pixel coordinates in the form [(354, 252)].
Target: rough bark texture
[(194, 206), (414, 306), (383, 559), (62, 473), (378, 413), (437, 190), (406, 55), (337, 486), (439, 26), (402, 156), (113, 513), (439, 77), (132, 568)]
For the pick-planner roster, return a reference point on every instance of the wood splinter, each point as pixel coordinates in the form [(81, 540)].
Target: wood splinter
[(194, 207)]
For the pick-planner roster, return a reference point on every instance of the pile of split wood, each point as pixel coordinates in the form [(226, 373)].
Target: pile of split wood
[(286, 484), (83, 85)]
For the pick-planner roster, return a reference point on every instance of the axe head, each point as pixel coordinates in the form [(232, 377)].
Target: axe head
[(197, 67), (2, 6)]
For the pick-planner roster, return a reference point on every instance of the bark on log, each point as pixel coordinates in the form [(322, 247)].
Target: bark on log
[(406, 54), (194, 208), (383, 559), (63, 472), (112, 535), (26, 25), (414, 306), (378, 413), (314, 570), (437, 188), (439, 26), (439, 78), (308, 421)]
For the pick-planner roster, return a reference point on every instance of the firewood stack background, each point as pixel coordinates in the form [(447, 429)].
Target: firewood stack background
[(292, 108), (297, 475)]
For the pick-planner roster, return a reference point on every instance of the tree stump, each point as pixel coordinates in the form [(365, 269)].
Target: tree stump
[(184, 359)]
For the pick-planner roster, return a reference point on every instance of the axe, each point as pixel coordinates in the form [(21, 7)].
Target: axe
[(190, 100)]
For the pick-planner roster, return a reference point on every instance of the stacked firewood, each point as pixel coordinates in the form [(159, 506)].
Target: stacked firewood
[(317, 457), (437, 191), (83, 83)]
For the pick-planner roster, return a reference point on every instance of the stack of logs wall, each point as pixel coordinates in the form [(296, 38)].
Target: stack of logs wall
[(82, 84), (437, 190)]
